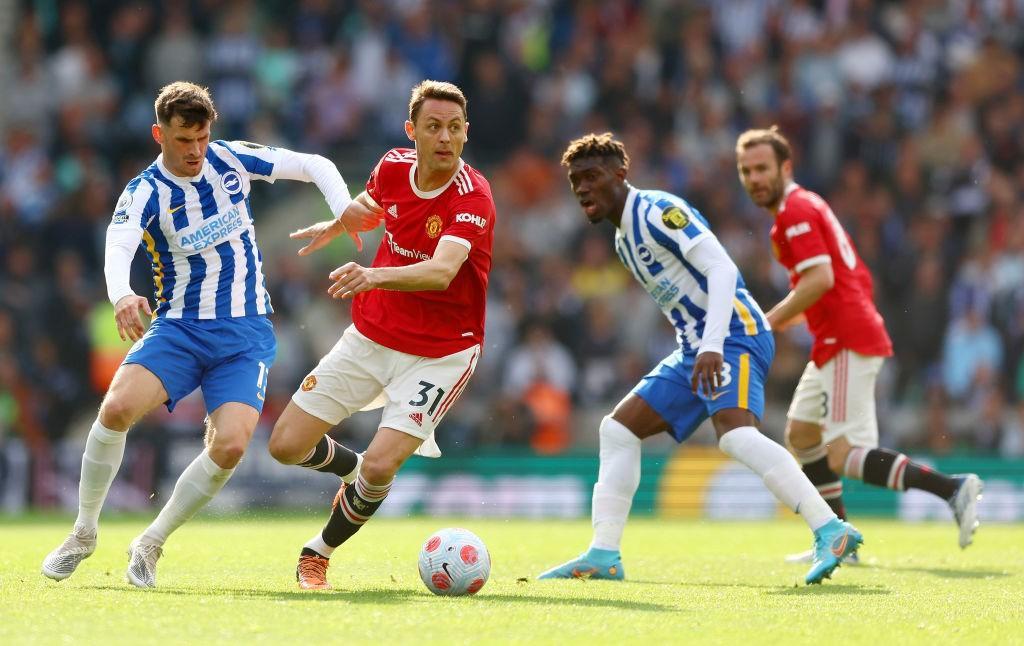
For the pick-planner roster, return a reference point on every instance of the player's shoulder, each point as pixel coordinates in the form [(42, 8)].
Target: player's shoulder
[(800, 204), (470, 181), (668, 210), (137, 194), (398, 156), (144, 182)]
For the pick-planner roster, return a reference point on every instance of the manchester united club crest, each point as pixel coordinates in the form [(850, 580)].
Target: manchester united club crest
[(309, 383), (674, 218), (434, 226)]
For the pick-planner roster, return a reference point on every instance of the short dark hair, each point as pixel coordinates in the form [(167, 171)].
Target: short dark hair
[(441, 90), (770, 136), (187, 100), (594, 145)]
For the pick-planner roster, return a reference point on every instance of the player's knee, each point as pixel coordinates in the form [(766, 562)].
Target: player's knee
[(116, 414), (283, 449), (802, 435), (379, 469), (837, 458), (228, 452)]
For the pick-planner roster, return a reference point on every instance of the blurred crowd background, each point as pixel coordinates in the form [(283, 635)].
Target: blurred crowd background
[(907, 116)]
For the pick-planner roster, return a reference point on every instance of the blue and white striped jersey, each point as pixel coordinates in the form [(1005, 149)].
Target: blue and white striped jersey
[(655, 234), (198, 232)]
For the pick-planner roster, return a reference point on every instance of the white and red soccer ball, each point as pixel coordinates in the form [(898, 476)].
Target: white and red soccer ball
[(454, 562)]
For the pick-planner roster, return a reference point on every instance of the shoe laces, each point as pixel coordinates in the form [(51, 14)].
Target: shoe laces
[(149, 552), (313, 568)]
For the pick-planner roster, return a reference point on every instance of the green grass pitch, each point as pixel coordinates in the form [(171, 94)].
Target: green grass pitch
[(232, 581)]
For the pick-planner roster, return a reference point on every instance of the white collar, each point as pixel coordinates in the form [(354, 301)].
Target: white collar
[(429, 195)]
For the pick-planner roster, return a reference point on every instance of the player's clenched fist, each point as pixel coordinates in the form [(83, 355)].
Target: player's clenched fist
[(350, 279), (126, 314)]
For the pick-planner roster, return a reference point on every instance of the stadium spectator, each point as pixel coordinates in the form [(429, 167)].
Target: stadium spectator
[(906, 118)]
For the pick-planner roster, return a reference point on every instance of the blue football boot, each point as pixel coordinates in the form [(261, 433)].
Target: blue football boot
[(833, 542), (592, 564)]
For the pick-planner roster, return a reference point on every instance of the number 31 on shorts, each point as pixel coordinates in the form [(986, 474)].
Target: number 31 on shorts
[(427, 394)]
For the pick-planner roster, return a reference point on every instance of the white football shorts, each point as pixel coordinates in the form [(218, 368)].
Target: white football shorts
[(360, 374), (840, 396)]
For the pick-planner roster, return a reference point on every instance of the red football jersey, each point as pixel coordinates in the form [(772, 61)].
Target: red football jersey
[(807, 233), (428, 323)]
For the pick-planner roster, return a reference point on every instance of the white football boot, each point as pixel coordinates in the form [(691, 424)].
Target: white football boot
[(964, 504), (78, 546), (142, 558)]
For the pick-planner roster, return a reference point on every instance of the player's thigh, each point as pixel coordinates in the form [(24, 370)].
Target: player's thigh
[(639, 417), (739, 399), (240, 373), (388, 451), (810, 402), (423, 392), (170, 351), (667, 392), (133, 392), (347, 379), (848, 380)]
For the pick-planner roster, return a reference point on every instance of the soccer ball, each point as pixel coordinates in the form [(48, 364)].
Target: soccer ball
[(454, 562)]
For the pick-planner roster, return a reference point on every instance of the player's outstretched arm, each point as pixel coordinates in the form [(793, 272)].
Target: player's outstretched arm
[(428, 275), (360, 215)]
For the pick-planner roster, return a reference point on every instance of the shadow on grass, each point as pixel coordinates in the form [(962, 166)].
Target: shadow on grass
[(945, 573), (379, 596), (832, 590)]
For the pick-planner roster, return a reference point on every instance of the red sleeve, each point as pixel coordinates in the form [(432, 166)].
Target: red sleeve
[(470, 217), (800, 228), (373, 183)]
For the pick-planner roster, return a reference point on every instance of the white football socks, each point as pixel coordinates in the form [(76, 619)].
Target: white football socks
[(104, 449), (617, 480), (318, 545), (198, 484), (780, 473)]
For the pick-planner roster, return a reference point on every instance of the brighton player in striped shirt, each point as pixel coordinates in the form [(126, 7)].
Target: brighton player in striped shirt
[(190, 212), (726, 349), (832, 427)]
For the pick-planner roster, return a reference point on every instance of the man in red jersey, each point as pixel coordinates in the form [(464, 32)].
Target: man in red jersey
[(418, 320), (832, 427)]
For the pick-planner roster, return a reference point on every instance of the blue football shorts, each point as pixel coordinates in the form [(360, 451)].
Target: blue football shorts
[(667, 388), (229, 359)]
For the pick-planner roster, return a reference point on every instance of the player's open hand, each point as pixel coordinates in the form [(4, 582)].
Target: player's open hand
[(319, 235), (350, 279), (126, 314), (707, 373)]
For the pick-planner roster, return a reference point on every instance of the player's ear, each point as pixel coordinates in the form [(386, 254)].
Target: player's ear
[(465, 130), (787, 167), (410, 130), (158, 134)]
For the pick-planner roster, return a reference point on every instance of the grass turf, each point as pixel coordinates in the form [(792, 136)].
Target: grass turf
[(232, 580)]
